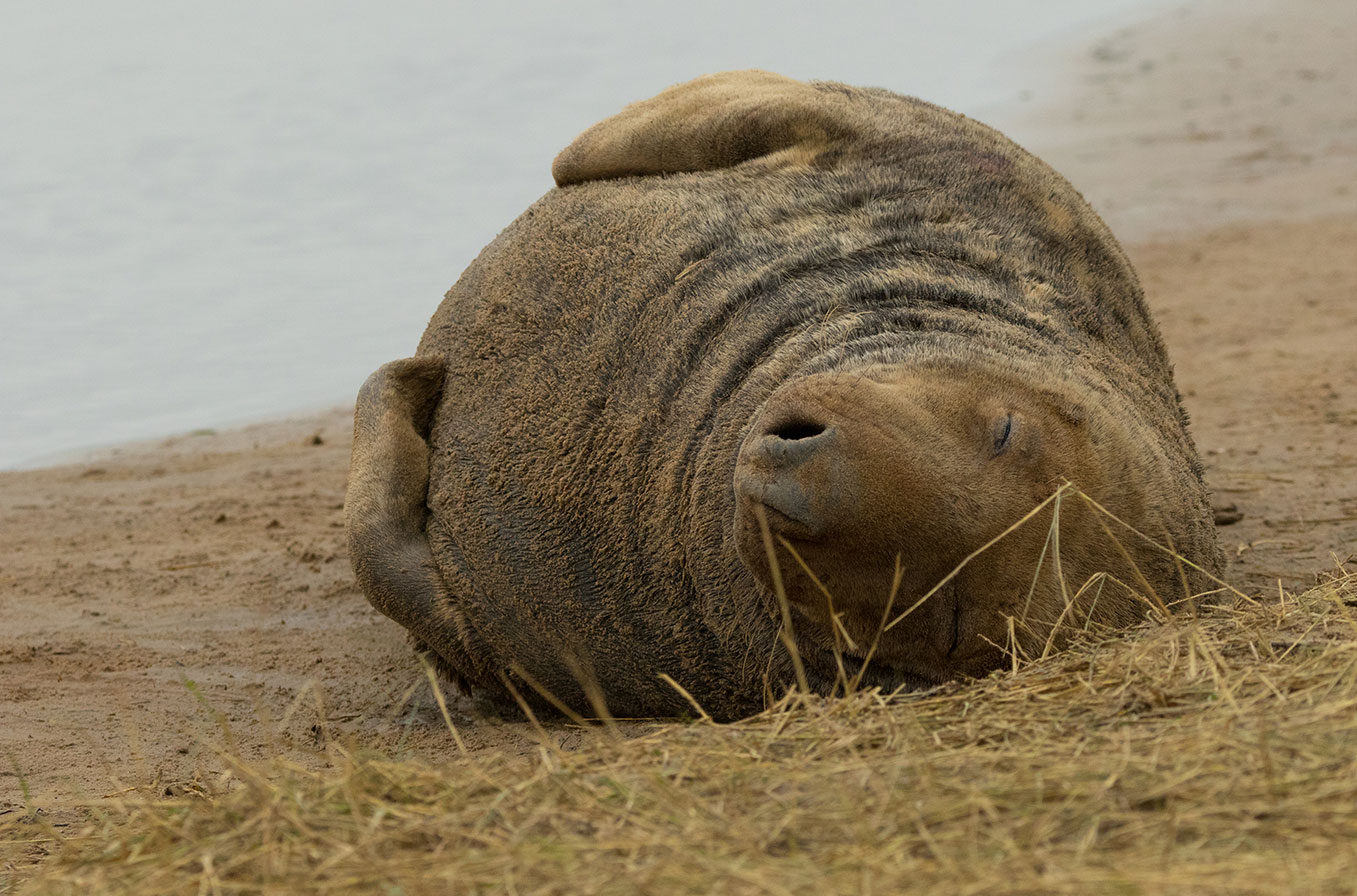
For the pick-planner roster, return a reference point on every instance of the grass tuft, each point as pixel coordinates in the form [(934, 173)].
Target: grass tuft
[(1201, 755)]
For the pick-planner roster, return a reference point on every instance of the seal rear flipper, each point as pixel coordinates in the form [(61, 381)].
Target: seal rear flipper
[(386, 509), (716, 121)]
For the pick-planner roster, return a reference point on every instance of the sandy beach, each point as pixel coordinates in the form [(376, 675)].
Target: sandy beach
[(164, 598)]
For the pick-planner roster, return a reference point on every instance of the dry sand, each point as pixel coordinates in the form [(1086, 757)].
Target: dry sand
[(166, 597)]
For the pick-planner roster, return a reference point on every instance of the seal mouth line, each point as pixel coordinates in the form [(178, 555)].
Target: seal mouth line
[(956, 621), (791, 529)]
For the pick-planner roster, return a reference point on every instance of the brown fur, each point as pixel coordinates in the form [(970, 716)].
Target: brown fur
[(876, 324)]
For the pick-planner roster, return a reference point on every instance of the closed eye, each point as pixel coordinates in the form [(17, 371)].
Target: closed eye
[(1003, 433)]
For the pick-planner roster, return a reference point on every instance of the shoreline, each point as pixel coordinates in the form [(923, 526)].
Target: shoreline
[(291, 425)]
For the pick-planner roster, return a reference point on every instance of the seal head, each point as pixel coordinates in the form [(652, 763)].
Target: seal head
[(897, 505)]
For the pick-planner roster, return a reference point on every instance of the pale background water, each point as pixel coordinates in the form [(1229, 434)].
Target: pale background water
[(215, 214)]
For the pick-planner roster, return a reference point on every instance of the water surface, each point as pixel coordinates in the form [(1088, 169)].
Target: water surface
[(214, 214)]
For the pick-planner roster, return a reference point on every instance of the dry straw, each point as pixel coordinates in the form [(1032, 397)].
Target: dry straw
[(1198, 754)]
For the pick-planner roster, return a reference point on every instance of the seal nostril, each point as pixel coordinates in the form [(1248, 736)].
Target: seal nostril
[(794, 430)]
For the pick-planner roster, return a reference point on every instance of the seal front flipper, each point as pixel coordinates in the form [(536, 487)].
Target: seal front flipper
[(385, 506)]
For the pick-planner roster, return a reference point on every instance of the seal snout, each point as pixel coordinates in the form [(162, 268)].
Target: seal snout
[(789, 465)]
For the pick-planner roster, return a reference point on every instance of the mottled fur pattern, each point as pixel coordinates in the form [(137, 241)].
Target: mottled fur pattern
[(605, 359)]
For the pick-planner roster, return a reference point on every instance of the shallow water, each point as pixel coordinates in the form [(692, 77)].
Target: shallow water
[(216, 214)]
